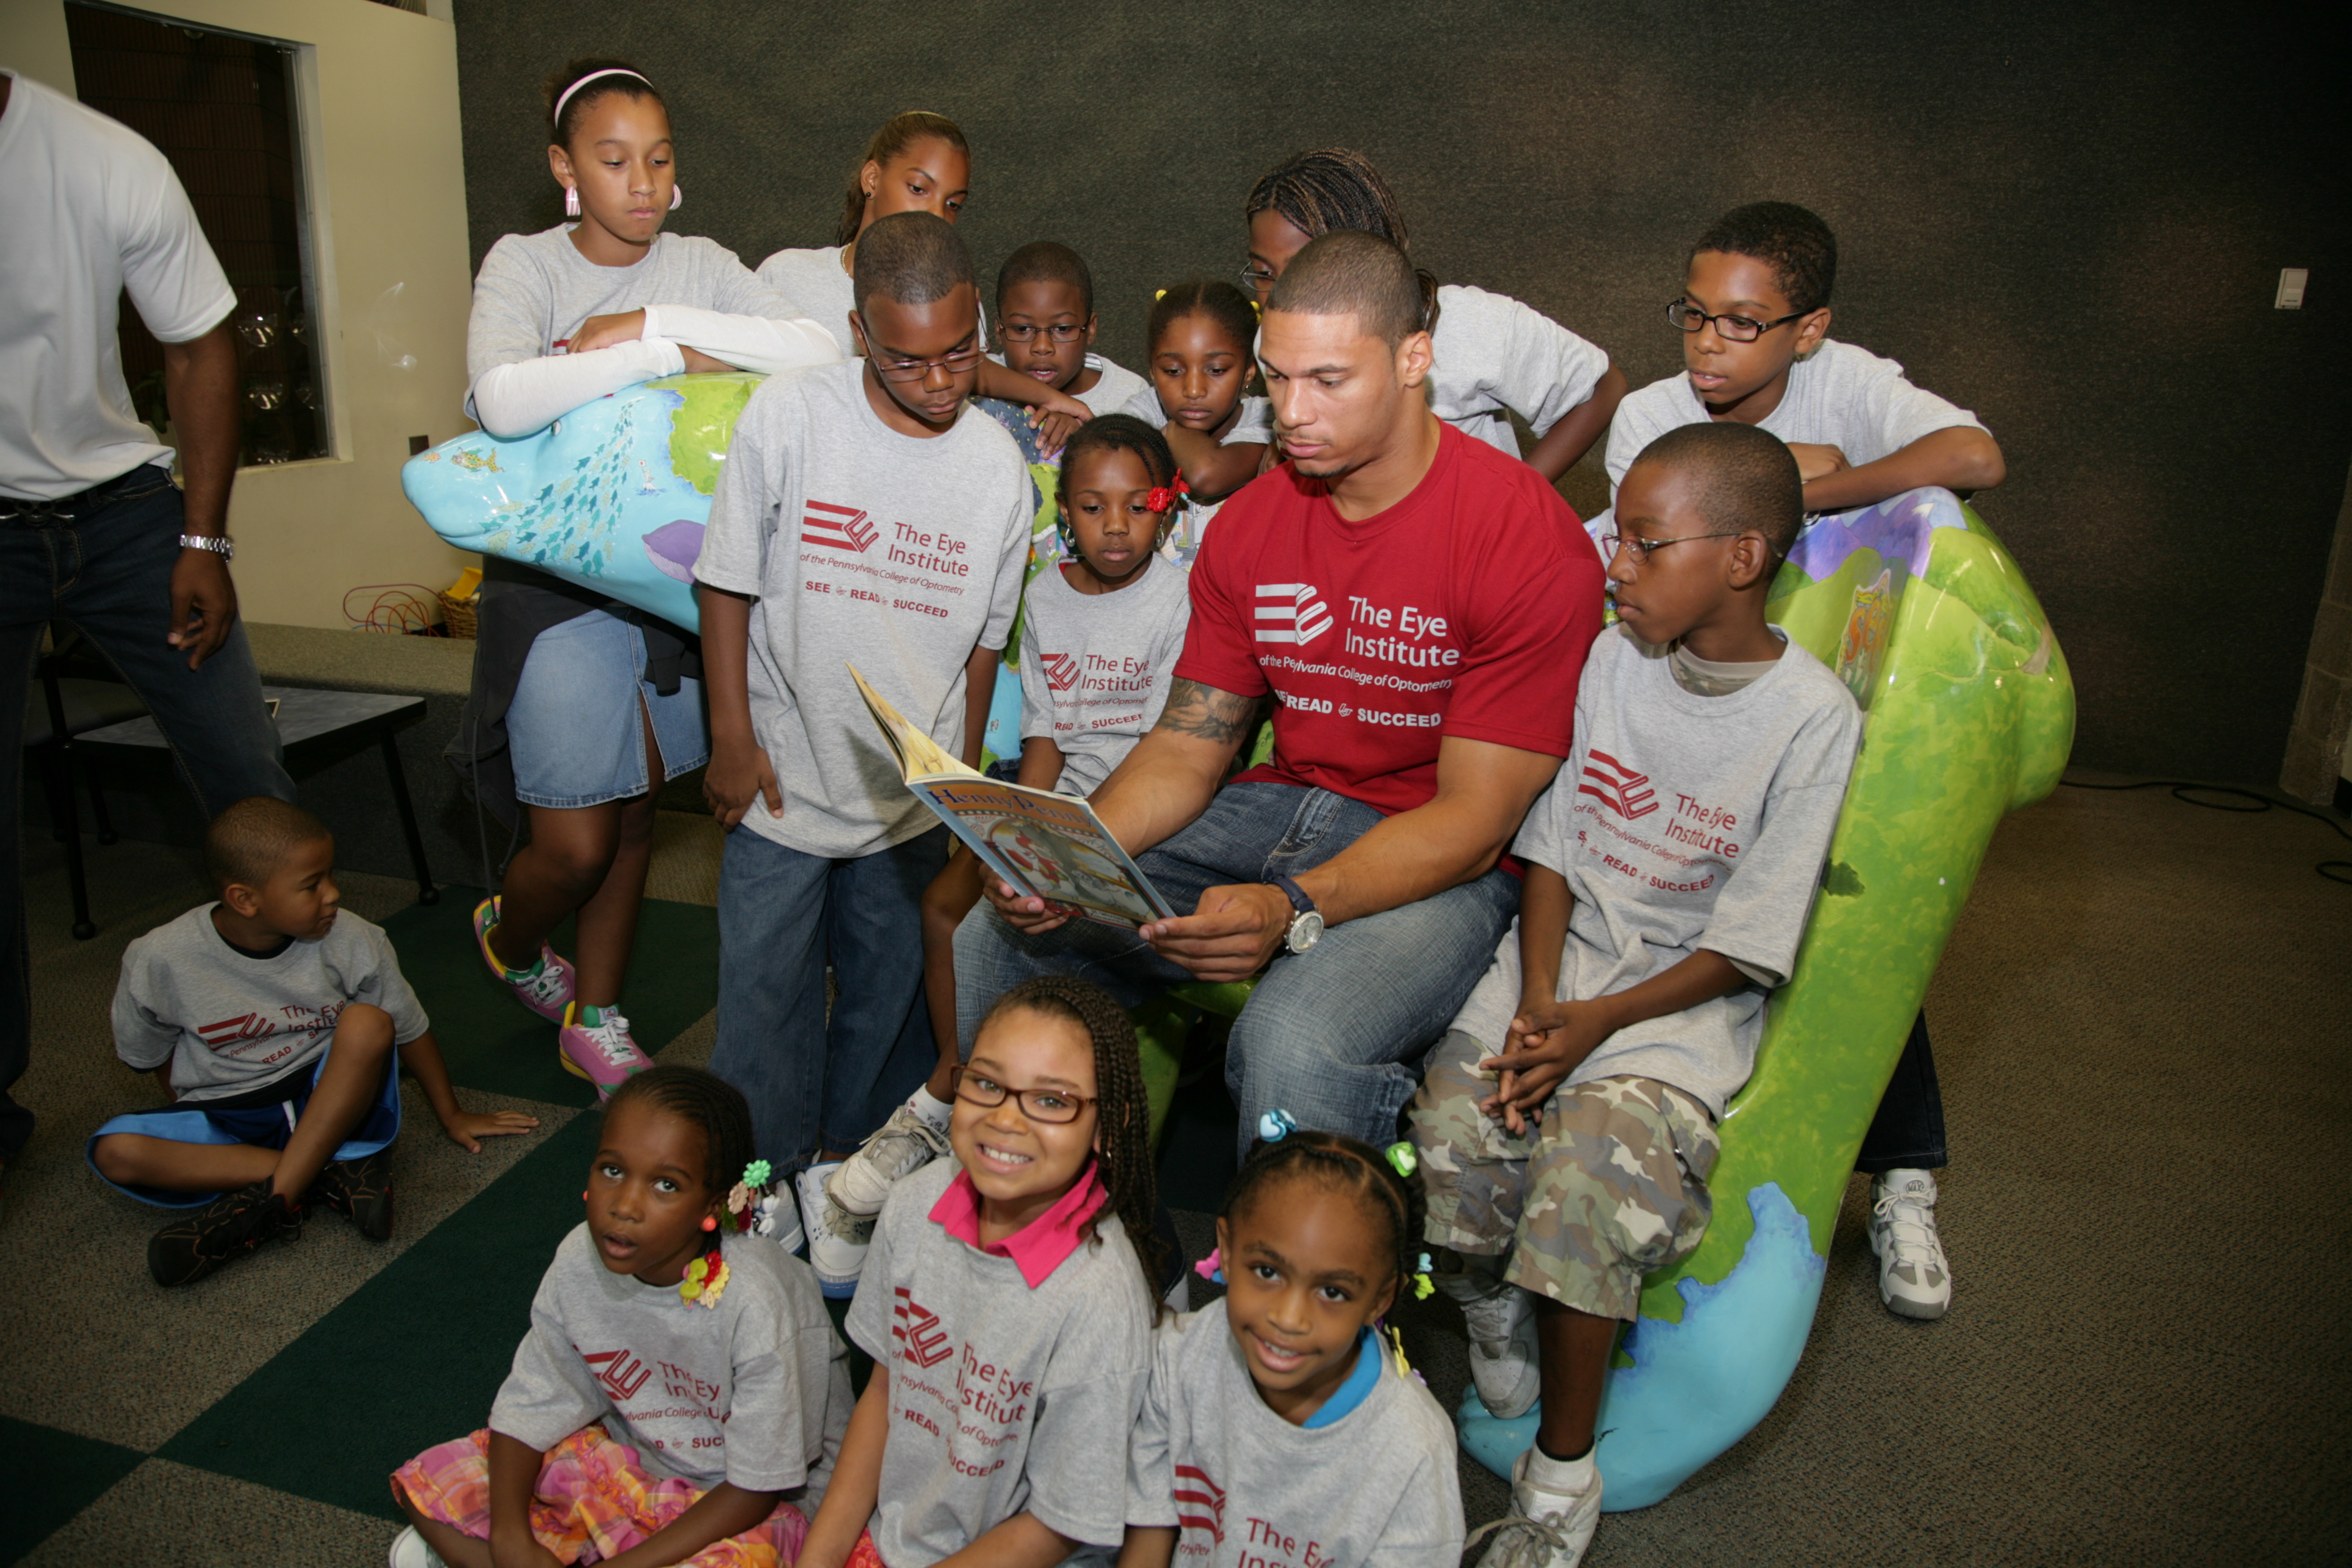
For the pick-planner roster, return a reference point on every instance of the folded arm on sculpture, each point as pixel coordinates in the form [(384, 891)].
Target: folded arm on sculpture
[(515, 399)]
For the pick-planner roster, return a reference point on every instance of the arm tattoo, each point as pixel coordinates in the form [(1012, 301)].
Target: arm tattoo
[(1217, 717)]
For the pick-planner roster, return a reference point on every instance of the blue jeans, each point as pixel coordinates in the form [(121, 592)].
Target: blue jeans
[(104, 563), (1907, 1132), (816, 1082), (1334, 1036)]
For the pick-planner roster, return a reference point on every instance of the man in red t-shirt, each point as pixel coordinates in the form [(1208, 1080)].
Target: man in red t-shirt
[(1419, 606)]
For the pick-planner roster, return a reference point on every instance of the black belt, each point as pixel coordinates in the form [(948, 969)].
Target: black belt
[(63, 509)]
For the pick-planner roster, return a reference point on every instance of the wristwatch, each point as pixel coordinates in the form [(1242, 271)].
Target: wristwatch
[(219, 543), (1306, 927)]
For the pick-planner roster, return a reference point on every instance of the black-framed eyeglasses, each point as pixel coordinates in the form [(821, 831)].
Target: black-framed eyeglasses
[(956, 363), (1060, 332), (1258, 280), (1736, 329), (1051, 1106), (1613, 542)]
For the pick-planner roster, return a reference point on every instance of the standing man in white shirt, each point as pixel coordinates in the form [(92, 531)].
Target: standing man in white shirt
[(92, 529)]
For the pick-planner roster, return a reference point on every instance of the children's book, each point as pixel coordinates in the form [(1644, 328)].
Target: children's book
[(1052, 845)]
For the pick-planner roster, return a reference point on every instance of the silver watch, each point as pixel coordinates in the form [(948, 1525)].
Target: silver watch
[(1306, 928), (219, 544)]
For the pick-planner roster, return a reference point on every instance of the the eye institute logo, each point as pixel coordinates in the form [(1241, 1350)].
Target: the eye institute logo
[(1291, 613), (836, 527), (1617, 786)]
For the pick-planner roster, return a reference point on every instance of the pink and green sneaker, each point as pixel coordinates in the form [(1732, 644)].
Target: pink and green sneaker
[(596, 1046), (545, 987)]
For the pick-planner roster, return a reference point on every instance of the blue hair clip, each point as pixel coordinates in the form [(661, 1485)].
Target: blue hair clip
[(1276, 1125)]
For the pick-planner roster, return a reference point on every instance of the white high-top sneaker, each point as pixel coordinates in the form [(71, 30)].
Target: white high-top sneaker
[(840, 1206), (1555, 1508), (1914, 1279), (1502, 1322)]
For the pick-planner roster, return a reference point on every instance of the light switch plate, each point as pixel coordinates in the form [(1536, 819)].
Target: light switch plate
[(2291, 282)]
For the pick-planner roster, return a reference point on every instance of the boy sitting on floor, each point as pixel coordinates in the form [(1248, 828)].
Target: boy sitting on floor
[(1670, 870), (272, 1020)]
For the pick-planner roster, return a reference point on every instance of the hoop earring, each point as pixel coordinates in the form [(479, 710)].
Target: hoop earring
[(1069, 536), (676, 198), (570, 201)]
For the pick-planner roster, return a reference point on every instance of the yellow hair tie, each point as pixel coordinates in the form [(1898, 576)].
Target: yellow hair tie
[(1158, 295)]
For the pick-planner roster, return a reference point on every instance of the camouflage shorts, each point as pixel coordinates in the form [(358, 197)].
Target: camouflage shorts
[(1611, 1186)]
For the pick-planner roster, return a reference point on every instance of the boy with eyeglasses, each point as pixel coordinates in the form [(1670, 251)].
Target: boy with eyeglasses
[(1045, 328), (1755, 315), (863, 513), (1567, 1121)]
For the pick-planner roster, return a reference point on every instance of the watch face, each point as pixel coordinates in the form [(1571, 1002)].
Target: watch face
[(1305, 931)]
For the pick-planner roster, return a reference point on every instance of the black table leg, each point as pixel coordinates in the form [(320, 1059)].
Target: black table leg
[(426, 893)]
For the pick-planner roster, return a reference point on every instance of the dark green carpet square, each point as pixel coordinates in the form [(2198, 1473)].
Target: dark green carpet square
[(494, 1043), (52, 1476)]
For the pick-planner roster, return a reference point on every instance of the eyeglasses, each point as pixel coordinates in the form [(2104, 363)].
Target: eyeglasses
[(1052, 1106), (1258, 280), (1736, 329), (1613, 542), (956, 363), (1060, 332)]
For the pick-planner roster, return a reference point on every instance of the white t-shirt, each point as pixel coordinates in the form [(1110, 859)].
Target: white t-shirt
[(1838, 395), (901, 553), (816, 282), (88, 208), (1491, 352), (1095, 667)]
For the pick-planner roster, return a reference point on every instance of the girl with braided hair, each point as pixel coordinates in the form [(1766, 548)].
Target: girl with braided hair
[(681, 1395), (1492, 353), (1007, 1302), (1280, 1405)]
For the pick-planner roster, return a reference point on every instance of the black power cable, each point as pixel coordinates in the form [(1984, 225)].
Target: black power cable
[(2184, 789)]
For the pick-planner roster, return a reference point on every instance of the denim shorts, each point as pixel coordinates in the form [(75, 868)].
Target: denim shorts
[(574, 731)]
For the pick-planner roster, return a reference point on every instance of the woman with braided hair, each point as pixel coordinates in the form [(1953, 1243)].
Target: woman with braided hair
[(1007, 1302), (1491, 353), (1281, 1404)]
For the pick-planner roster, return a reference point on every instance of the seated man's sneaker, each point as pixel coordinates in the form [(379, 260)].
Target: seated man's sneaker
[(1555, 1507), (358, 1190), (1502, 1322), (840, 1215), (545, 987), (231, 1227), (594, 1043), (1914, 1280)]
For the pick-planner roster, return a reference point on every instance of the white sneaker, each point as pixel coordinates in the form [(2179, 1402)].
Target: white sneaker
[(837, 1241), (1555, 1507), (777, 1216), (916, 1134), (1914, 1279), (1503, 1362), (409, 1550)]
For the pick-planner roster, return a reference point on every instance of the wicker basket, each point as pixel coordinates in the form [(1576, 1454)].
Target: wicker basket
[(458, 615)]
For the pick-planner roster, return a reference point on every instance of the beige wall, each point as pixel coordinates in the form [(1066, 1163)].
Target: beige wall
[(388, 198)]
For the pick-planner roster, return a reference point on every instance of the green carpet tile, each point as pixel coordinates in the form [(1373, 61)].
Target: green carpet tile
[(412, 1357), (52, 1476), (493, 1044)]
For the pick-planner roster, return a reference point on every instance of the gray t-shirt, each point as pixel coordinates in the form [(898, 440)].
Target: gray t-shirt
[(1003, 1400), (1376, 1488), (754, 1391), (1095, 667), (1682, 822), (1839, 395), (1491, 352), (901, 553), (229, 1023), (536, 290)]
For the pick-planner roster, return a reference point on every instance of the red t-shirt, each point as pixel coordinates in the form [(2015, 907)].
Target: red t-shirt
[(1465, 609)]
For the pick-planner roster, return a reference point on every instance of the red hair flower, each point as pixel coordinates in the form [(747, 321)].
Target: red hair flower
[(1163, 497)]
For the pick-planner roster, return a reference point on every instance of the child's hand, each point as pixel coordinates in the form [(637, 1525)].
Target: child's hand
[(605, 332), (738, 774), (1544, 1046), (466, 1128), (1056, 425), (1815, 461)]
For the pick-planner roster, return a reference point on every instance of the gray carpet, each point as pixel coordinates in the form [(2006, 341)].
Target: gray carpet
[(2145, 1007)]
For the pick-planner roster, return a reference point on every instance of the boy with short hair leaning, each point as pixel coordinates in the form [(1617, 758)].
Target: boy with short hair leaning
[(1755, 312), (1670, 870), (273, 1018), (863, 514)]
